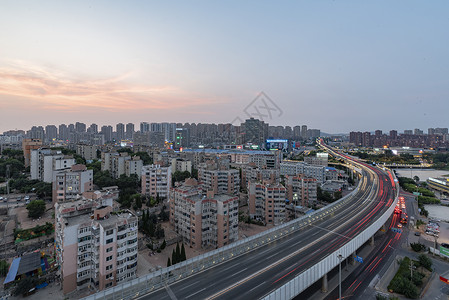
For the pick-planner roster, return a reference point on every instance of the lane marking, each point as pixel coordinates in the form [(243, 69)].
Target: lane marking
[(195, 293)]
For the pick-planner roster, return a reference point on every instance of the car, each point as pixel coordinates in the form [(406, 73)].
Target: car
[(445, 245), (399, 225), (27, 198), (417, 233), (19, 198)]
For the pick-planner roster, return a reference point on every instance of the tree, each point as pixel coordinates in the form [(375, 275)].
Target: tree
[(173, 257), (168, 262), (178, 253), (416, 178), (425, 262), (183, 253), (36, 209)]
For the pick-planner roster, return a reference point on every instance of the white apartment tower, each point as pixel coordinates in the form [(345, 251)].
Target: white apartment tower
[(93, 246)]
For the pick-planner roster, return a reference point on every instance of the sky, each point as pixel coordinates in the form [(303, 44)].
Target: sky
[(334, 65)]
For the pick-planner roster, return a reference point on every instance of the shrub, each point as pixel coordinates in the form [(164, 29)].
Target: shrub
[(418, 247)]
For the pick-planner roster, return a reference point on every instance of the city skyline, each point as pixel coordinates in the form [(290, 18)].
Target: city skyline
[(334, 66)]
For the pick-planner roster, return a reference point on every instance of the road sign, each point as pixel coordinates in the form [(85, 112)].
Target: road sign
[(397, 230), (416, 194), (444, 251), (359, 259)]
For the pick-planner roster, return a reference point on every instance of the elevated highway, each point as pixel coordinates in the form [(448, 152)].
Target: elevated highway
[(301, 257)]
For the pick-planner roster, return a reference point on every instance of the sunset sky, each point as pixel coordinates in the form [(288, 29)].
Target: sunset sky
[(333, 65)]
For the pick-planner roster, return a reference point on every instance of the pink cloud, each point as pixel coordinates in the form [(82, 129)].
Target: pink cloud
[(55, 90)]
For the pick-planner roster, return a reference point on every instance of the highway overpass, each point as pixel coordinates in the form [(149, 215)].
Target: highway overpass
[(282, 262)]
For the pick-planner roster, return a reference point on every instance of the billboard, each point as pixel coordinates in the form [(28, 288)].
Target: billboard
[(277, 144)]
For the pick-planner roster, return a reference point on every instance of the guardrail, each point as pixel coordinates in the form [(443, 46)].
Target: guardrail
[(301, 282), (166, 276)]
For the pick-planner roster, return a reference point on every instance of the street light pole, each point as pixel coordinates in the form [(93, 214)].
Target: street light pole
[(340, 257)]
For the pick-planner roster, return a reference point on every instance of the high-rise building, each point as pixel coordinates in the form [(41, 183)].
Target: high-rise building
[(393, 134), (418, 131), (267, 203), (36, 132), (107, 132), (63, 132), (204, 221), (93, 128), (51, 132), (80, 127), (304, 131), (255, 131), (120, 131), (182, 139), (156, 181), (297, 132), (94, 247), (408, 131), (144, 127), (129, 131), (313, 133)]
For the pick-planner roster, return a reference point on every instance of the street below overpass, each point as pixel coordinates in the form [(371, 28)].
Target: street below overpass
[(257, 273)]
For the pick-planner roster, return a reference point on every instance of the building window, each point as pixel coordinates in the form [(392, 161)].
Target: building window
[(110, 231), (108, 241), (108, 267), (109, 258), (109, 249)]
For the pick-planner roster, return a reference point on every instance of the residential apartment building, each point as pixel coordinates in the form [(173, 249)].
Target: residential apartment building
[(321, 159), (220, 181), (254, 174), (45, 162), (301, 190), (27, 146), (134, 166), (70, 184), (203, 220), (121, 163), (293, 168), (88, 152), (181, 165), (93, 246), (156, 181), (267, 203)]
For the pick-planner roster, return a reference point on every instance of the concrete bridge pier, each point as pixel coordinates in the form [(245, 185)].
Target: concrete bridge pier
[(324, 284), (371, 241), (351, 258)]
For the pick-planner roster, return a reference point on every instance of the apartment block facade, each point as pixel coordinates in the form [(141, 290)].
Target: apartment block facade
[(301, 190), (220, 181), (94, 247), (267, 203), (45, 162), (293, 168), (121, 164), (70, 184), (156, 181), (203, 220)]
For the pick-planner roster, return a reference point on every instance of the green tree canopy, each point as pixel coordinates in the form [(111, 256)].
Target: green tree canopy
[(36, 209)]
